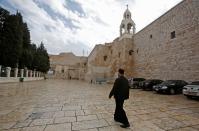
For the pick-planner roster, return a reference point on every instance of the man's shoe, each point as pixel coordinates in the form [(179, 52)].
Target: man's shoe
[(125, 126)]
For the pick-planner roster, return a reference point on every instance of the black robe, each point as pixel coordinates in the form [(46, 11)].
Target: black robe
[(120, 89)]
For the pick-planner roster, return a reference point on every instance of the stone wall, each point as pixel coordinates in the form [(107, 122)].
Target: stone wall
[(168, 48), (159, 56), (105, 60), (97, 66), (68, 66), (122, 56)]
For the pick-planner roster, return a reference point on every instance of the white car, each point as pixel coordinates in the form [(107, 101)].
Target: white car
[(191, 90)]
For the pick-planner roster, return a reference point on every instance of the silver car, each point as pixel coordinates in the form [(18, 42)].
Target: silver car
[(191, 90)]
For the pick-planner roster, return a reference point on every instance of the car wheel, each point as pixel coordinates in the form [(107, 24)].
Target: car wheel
[(172, 91)]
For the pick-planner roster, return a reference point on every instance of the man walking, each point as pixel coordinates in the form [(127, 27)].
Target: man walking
[(120, 91)]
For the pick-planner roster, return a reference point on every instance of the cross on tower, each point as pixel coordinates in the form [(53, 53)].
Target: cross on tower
[(127, 6)]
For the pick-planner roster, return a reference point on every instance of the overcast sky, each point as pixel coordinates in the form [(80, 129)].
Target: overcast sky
[(77, 25)]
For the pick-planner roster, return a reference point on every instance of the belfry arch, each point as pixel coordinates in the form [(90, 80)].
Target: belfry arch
[(127, 25)]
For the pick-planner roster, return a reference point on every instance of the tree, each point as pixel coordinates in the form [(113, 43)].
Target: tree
[(41, 59), (26, 36), (16, 49), (3, 16), (34, 54), (11, 41), (26, 56)]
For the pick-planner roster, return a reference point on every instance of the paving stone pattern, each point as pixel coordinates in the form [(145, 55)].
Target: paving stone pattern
[(63, 105)]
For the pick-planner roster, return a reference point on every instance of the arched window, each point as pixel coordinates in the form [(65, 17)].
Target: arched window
[(129, 25), (127, 16)]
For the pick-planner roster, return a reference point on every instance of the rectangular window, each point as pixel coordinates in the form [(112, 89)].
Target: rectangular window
[(173, 35), (151, 36), (105, 57)]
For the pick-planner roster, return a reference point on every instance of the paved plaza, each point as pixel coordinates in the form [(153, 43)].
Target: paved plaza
[(63, 105)]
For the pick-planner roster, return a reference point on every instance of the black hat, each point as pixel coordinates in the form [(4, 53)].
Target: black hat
[(121, 71)]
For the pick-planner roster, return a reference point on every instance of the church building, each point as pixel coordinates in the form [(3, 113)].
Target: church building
[(168, 48)]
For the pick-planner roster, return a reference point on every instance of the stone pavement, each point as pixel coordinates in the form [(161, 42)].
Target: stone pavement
[(61, 105)]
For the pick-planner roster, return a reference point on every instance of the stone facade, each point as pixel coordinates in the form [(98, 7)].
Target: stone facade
[(97, 66), (68, 66), (168, 48), (105, 60)]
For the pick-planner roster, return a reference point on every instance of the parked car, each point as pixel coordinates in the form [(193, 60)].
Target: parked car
[(170, 86), (191, 90), (141, 84), (136, 82), (148, 84), (130, 82)]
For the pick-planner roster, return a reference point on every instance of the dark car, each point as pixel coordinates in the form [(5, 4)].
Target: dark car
[(148, 84), (135, 82), (170, 86)]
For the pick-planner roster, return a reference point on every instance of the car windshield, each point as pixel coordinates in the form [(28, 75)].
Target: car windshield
[(195, 83), (169, 82), (147, 80), (138, 79)]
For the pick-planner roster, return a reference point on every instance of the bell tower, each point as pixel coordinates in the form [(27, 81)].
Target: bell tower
[(127, 26)]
